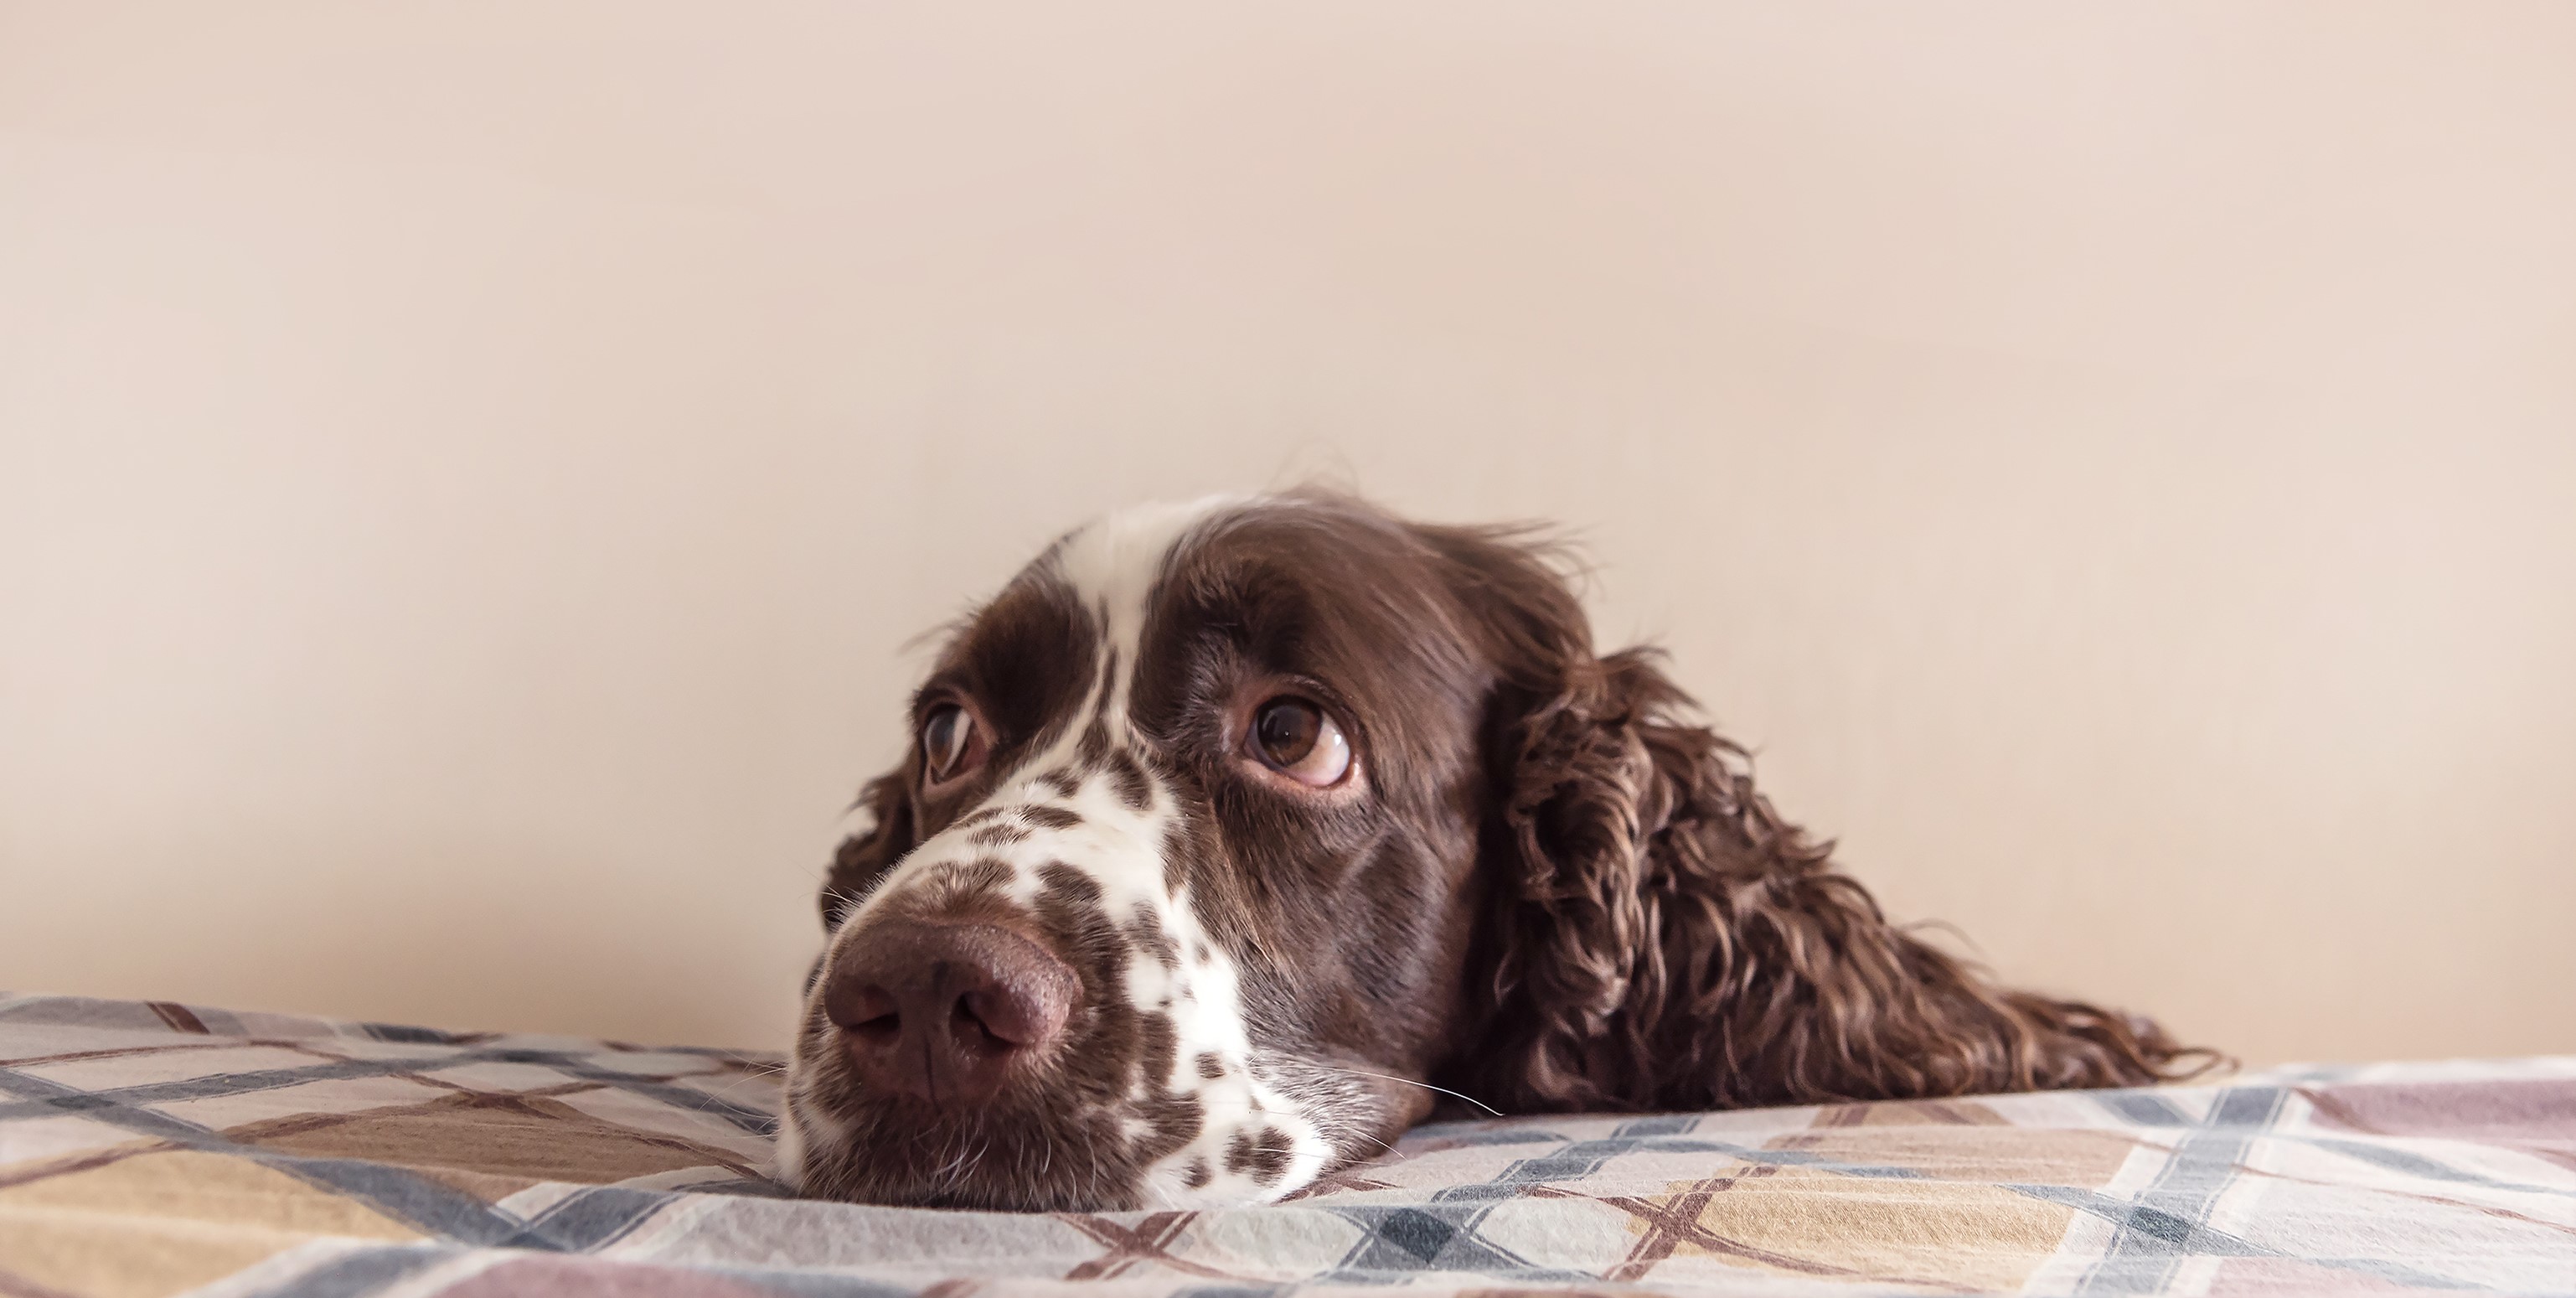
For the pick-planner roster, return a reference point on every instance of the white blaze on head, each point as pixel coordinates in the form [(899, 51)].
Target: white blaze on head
[(1112, 566)]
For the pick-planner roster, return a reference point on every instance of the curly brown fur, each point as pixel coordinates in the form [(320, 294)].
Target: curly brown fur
[(1659, 937)]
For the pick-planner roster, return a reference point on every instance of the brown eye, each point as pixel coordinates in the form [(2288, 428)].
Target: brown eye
[(1296, 739), (947, 738)]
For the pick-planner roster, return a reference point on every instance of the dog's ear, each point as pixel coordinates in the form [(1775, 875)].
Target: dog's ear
[(1656, 936), (866, 855)]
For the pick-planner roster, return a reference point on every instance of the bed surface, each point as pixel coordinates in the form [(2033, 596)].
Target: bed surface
[(157, 1148)]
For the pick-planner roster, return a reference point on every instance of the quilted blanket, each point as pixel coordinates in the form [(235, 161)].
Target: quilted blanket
[(153, 1148)]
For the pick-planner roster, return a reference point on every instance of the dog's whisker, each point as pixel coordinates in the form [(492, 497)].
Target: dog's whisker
[(1407, 1081)]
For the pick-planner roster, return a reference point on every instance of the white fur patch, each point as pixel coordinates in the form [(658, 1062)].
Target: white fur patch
[(859, 821), (788, 1153)]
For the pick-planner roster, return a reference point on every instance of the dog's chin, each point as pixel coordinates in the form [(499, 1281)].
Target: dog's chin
[(911, 1157)]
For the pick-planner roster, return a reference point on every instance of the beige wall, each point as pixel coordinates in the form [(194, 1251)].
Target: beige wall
[(468, 473)]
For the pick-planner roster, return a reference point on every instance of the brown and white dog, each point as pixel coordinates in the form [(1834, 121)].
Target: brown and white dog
[(1234, 835)]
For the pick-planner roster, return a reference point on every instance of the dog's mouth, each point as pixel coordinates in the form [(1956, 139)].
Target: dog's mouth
[(1015, 1158), (1047, 1156)]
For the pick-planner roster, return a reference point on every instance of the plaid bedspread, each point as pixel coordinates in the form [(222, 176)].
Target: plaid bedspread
[(155, 1148)]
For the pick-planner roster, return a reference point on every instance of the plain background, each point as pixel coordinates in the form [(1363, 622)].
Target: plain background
[(469, 472)]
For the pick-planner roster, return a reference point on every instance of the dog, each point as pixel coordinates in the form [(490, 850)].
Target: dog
[(1236, 837)]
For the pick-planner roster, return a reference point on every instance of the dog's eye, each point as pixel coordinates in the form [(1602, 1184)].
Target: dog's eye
[(947, 740), (1296, 739)]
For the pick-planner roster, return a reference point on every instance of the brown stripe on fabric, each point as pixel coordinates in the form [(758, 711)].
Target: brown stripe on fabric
[(1150, 1241), (178, 1016), (1968, 1113), (297, 1045), (1676, 1221), (85, 1162), (119, 1052), (493, 1134), (1340, 1182), (1829, 1117)]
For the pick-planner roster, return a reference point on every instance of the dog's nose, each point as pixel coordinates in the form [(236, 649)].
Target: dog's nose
[(942, 1012)]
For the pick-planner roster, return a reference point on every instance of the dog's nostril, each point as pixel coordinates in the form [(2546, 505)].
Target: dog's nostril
[(869, 1013), (878, 1030), (1008, 1019), (969, 1027)]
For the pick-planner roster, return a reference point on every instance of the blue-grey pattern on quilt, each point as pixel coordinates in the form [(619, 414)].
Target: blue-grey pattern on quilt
[(153, 1148)]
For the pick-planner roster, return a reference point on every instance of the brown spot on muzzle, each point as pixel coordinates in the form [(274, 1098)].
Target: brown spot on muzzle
[(953, 891), (1129, 778), (1262, 1154), (1146, 931), (999, 835)]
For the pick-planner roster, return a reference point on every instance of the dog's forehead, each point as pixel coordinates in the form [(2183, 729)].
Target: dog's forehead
[(1112, 570), (1114, 626), (1133, 568), (1094, 585), (1112, 563)]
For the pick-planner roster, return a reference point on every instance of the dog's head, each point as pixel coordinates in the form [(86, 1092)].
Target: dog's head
[(1229, 830)]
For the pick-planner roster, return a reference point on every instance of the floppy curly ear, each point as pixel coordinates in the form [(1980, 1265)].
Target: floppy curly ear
[(864, 857), (1659, 938), (1573, 925)]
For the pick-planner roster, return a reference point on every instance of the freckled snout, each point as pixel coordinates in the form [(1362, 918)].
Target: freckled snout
[(946, 1013)]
